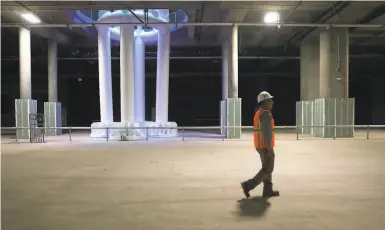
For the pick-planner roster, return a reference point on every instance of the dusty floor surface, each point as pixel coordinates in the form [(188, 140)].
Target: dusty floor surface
[(325, 184)]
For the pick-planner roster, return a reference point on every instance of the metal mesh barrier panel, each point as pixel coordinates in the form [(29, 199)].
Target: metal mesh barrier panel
[(24, 107), (52, 118)]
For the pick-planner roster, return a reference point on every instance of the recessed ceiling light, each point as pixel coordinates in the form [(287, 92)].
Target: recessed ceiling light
[(30, 17), (271, 17)]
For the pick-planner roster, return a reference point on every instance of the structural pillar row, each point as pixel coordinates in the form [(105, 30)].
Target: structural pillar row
[(140, 94), (162, 76), (127, 95)]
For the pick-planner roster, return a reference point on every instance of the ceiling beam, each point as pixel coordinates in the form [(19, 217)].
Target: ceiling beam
[(334, 9), (377, 12), (51, 33)]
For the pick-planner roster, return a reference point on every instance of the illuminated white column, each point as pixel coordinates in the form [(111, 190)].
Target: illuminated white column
[(105, 84), (234, 62), (139, 80), (52, 71), (225, 69), (25, 63), (162, 75), (127, 101)]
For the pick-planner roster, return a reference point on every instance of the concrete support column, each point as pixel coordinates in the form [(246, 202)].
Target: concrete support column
[(52, 71), (52, 108), (339, 63), (140, 100), (325, 60), (225, 69), (105, 83), (230, 67), (324, 83), (309, 68), (162, 75), (127, 96), (325, 65), (234, 62), (25, 63)]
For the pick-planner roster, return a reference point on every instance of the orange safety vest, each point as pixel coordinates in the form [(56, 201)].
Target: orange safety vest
[(259, 140)]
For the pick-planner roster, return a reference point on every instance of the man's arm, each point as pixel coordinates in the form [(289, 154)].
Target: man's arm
[(266, 129)]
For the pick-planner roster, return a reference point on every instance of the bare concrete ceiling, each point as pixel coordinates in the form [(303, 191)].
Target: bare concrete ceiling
[(249, 11)]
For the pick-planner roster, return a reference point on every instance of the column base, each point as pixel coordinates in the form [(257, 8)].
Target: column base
[(304, 116), (223, 117), (326, 112), (334, 112), (117, 131), (165, 129), (23, 108), (231, 116), (133, 131)]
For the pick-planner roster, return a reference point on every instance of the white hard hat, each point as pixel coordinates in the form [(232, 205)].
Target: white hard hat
[(263, 96)]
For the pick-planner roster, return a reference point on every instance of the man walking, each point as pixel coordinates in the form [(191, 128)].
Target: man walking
[(264, 144)]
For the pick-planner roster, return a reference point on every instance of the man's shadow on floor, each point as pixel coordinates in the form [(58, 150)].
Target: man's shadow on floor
[(253, 207)]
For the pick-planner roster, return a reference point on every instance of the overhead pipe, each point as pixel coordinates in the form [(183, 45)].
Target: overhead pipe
[(203, 58), (12, 77), (372, 15), (243, 24), (176, 58)]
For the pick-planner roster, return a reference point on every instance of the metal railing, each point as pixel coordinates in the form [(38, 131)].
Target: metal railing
[(183, 129)]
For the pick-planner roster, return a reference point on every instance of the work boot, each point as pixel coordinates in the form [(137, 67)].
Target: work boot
[(268, 190), (245, 189)]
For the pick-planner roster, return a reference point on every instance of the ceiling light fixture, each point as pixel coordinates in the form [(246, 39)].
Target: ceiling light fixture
[(271, 17), (31, 18)]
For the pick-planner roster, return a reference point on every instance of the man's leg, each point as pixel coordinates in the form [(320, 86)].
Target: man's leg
[(262, 175), (267, 182), (268, 163)]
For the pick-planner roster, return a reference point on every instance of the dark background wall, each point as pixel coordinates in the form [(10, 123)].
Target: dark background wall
[(194, 100)]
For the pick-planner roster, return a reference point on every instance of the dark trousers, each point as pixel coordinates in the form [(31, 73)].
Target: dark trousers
[(265, 174)]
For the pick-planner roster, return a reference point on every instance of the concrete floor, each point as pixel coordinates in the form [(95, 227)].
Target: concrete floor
[(324, 184)]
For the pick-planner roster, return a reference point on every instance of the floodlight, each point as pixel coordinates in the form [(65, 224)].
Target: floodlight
[(271, 17), (30, 17)]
